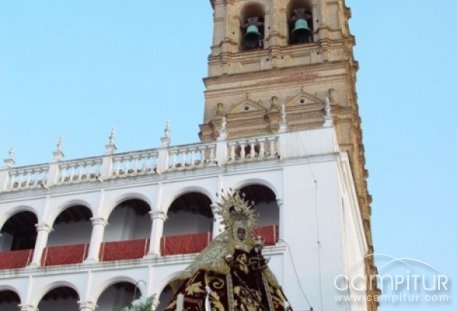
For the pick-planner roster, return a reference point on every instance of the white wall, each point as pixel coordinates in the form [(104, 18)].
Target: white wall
[(312, 232)]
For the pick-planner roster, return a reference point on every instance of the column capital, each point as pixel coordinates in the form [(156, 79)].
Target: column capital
[(280, 202), (43, 227), (158, 215), (28, 308), (99, 221), (89, 305)]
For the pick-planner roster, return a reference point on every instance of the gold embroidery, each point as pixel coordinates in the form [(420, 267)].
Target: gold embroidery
[(195, 288), (231, 272), (216, 304)]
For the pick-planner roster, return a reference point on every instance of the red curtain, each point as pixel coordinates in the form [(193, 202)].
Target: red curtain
[(269, 233), (121, 250), (64, 255), (15, 259), (184, 244)]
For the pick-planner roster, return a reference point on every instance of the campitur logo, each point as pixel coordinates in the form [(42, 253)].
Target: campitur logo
[(400, 280)]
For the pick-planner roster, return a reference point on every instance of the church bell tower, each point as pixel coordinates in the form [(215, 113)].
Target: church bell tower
[(275, 65)]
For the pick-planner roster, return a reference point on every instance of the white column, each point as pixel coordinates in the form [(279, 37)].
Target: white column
[(281, 218), (96, 239), (41, 242), (87, 305), (158, 220), (217, 221)]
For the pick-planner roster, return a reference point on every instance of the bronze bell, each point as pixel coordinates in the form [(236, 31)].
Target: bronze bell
[(301, 32), (252, 37)]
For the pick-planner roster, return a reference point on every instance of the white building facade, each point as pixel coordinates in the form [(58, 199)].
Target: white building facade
[(302, 187), (96, 233)]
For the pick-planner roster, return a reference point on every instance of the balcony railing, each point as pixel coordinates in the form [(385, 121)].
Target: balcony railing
[(270, 234), (64, 255), (78, 171), (15, 259), (184, 244), (123, 250), (139, 163), (192, 156), (166, 159), (134, 164), (27, 177), (253, 149)]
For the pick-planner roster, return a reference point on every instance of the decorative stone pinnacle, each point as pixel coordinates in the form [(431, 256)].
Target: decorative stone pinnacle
[(328, 120), (219, 109), (111, 147), (283, 120), (58, 154), (166, 139), (112, 136), (60, 144), (328, 107), (167, 130), (274, 104), (9, 161), (223, 131), (224, 123), (11, 153)]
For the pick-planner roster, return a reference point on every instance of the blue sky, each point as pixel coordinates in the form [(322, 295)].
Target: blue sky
[(77, 68)]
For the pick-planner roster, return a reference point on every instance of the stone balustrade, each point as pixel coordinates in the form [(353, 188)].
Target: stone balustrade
[(191, 156), (134, 163), (166, 159), (25, 177), (261, 148), (79, 171)]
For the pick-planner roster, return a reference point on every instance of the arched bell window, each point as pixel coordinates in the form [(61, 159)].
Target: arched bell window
[(300, 22), (252, 27)]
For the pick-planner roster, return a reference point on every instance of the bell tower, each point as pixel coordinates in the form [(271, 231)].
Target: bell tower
[(274, 67)]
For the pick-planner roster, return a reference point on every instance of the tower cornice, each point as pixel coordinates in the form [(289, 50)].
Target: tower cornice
[(311, 71)]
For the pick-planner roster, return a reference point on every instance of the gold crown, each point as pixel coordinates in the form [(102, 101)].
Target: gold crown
[(233, 207)]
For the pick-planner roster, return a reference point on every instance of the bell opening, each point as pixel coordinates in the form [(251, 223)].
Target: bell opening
[(252, 19), (301, 33), (300, 25), (253, 33)]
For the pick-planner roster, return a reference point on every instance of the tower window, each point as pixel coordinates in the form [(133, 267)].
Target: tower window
[(252, 27), (300, 21)]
